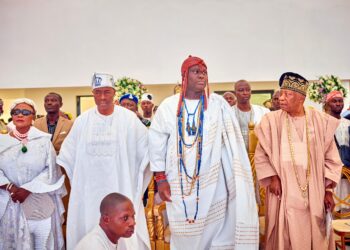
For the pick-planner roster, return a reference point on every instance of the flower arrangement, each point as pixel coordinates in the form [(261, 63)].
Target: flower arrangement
[(128, 85), (318, 90)]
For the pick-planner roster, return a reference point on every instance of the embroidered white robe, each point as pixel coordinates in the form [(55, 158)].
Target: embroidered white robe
[(227, 213), (101, 155), (35, 171)]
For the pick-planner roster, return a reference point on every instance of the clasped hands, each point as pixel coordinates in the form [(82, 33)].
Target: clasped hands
[(18, 194)]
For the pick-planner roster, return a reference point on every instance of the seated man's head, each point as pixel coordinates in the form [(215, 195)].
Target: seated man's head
[(117, 217), (129, 101)]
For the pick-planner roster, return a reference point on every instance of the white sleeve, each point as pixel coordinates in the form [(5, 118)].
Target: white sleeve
[(158, 140), (68, 151)]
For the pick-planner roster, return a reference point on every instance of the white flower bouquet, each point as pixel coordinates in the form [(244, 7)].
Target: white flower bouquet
[(318, 90), (128, 85)]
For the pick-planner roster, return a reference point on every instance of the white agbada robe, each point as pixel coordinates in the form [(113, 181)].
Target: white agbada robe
[(227, 215), (96, 240), (101, 155), (35, 171)]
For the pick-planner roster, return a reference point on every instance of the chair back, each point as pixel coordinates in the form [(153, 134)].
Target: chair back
[(252, 143), (342, 204)]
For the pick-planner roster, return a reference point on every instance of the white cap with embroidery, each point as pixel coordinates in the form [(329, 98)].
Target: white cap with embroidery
[(100, 80)]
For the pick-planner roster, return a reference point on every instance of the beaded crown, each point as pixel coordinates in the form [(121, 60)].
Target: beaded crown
[(294, 82)]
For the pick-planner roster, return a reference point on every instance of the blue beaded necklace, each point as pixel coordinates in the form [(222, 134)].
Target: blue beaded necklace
[(193, 180), (191, 130)]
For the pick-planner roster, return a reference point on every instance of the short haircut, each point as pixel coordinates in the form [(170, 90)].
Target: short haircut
[(56, 94), (241, 81), (110, 201)]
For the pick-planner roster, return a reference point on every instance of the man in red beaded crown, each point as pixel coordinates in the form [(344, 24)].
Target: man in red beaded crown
[(201, 167)]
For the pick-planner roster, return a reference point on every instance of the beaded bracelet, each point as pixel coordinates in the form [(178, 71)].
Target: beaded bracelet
[(9, 186), (161, 181), (160, 177)]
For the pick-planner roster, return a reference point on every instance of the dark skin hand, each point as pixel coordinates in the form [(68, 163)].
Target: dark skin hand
[(329, 201), (17, 194), (164, 190), (275, 186)]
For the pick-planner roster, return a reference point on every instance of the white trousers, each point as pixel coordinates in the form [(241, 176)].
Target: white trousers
[(41, 233)]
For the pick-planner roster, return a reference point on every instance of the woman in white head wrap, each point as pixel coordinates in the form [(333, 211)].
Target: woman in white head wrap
[(30, 185)]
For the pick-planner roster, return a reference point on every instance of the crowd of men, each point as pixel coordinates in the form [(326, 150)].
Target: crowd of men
[(195, 148)]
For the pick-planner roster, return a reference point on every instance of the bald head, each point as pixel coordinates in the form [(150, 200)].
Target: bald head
[(243, 92), (241, 82), (111, 202), (117, 217)]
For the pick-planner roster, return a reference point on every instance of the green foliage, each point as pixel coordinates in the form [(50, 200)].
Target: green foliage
[(128, 85)]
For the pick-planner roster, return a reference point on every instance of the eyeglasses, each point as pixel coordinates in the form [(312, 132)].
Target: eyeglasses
[(24, 112)]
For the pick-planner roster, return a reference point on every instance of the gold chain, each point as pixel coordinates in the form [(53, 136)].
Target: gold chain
[(303, 189)]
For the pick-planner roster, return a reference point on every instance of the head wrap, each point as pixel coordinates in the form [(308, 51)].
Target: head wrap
[(23, 100), (333, 94), (188, 63), (130, 97), (147, 97), (294, 82), (100, 80)]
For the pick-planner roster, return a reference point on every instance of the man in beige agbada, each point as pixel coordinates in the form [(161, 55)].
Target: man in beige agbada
[(298, 162)]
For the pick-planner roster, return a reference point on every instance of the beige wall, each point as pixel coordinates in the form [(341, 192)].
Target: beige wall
[(69, 95)]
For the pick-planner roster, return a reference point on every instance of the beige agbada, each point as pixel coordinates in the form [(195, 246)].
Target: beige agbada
[(295, 222)]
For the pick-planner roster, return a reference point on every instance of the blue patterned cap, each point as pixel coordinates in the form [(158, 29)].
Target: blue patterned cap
[(130, 97)]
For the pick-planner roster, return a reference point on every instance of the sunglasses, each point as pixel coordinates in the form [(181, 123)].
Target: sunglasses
[(24, 112)]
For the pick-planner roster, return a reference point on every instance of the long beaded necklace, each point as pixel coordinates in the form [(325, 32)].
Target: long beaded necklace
[(303, 188), (191, 130), (23, 138), (194, 179)]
